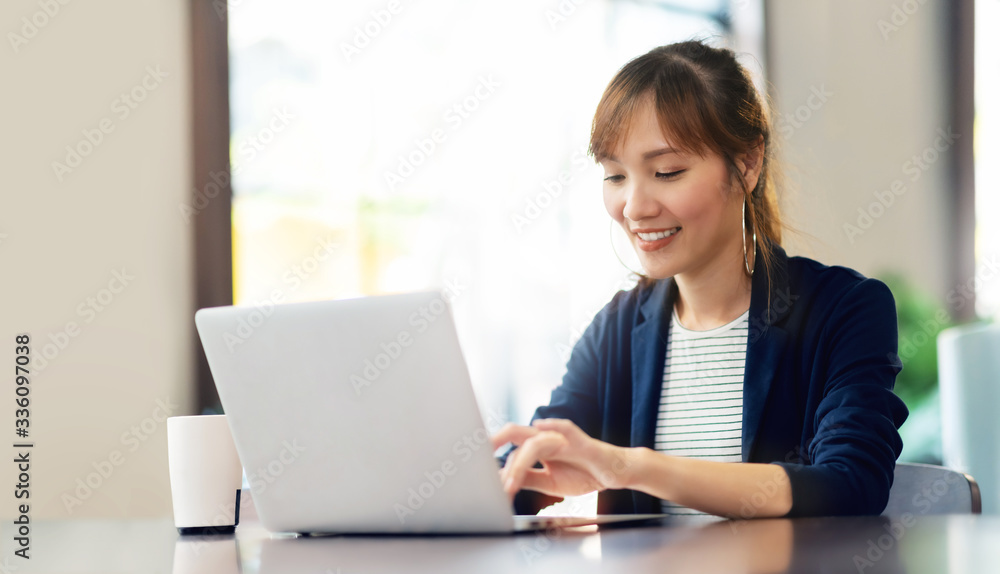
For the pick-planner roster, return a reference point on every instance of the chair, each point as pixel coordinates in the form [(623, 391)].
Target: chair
[(927, 489)]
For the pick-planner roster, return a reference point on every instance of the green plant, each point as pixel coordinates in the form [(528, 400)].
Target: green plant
[(920, 318)]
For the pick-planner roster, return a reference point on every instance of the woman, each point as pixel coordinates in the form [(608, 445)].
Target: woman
[(732, 380)]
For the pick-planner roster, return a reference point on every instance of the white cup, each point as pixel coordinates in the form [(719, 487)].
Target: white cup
[(205, 474)]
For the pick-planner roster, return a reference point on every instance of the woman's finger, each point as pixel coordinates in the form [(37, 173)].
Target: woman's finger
[(539, 480), (539, 447), (564, 426), (505, 471), (511, 432), (578, 440)]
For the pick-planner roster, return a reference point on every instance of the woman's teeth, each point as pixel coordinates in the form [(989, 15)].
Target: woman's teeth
[(658, 234)]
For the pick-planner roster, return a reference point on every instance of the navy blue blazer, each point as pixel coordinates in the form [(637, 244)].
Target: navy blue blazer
[(817, 400)]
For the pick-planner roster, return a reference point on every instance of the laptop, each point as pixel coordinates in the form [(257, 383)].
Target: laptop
[(358, 416)]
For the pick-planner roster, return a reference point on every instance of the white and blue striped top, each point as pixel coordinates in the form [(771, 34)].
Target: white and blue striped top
[(701, 404)]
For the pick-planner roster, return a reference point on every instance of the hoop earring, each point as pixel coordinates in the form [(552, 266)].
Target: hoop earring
[(746, 260), (611, 240)]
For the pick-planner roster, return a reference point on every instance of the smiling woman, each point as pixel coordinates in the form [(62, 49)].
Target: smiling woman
[(733, 379), (719, 134)]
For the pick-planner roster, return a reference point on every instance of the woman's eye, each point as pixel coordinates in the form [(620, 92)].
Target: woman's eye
[(669, 175), (614, 178)]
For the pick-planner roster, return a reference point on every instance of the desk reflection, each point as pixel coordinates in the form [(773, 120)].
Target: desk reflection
[(207, 555), (750, 547), (762, 546), (868, 544), (397, 554), (765, 546), (916, 544)]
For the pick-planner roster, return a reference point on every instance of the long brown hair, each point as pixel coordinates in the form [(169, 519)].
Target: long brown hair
[(705, 100)]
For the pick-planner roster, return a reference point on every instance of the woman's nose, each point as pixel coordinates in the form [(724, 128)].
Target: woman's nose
[(639, 204)]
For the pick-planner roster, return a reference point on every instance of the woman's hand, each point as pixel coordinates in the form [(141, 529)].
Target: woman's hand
[(574, 463)]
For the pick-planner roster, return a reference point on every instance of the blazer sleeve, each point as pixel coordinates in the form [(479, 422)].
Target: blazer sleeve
[(576, 398), (852, 455)]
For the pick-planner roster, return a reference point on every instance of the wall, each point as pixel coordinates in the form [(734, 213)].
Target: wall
[(97, 259), (881, 76)]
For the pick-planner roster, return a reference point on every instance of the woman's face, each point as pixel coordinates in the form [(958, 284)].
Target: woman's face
[(677, 208)]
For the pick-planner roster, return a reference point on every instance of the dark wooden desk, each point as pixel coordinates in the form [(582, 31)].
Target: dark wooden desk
[(933, 544)]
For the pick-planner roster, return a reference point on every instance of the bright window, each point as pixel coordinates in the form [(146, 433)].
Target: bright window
[(445, 143), (986, 146)]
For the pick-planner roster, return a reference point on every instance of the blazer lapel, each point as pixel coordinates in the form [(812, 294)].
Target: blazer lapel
[(765, 343), (649, 350)]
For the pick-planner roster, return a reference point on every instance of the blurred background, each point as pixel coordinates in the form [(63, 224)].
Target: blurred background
[(164, 156)]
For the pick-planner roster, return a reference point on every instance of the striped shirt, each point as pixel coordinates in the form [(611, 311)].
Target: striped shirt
[(701, 404)]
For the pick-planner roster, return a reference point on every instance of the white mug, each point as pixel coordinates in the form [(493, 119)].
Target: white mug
[(205, 474)]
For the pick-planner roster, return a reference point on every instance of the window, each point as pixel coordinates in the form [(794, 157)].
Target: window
[(396, 146), (987, 145)]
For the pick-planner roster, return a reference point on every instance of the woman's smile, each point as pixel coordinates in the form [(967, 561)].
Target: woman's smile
[(650, 240)]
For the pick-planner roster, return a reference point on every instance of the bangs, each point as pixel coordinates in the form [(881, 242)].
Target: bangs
[(678, 95)]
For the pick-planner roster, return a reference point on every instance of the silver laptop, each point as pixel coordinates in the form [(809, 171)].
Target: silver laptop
[(358, 416)]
